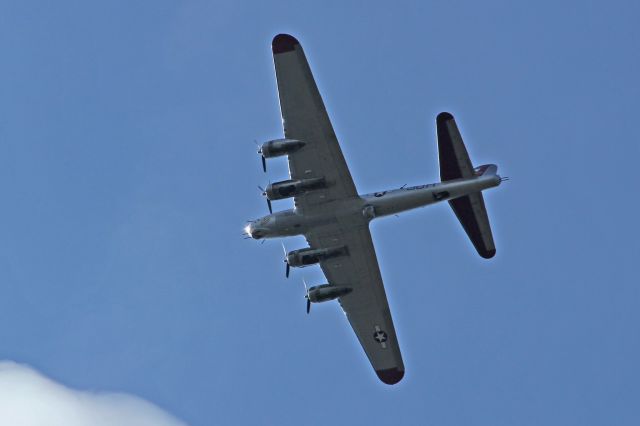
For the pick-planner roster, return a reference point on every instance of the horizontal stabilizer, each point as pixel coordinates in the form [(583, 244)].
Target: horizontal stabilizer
[(455, 164), (472, 214), (453, 156)]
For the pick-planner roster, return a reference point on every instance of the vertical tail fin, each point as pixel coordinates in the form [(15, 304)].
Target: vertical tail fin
[(455, 164)]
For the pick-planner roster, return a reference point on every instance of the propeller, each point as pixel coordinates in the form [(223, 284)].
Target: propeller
[(264, 160), (264, 193), (288, 267), (306, 295)]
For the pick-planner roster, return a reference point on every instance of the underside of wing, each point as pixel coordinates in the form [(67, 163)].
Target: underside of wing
[(305, 118), (366, 305)]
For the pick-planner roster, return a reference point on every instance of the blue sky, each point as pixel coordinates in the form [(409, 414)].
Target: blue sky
[(128, 168)]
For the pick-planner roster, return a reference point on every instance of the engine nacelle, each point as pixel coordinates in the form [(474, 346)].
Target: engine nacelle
[(325, 292), (309, 256), (279, 147), (369, 212), (291, 188)]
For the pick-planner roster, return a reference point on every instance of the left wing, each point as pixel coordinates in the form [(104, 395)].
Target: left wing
[(305, 118), (366, 306)]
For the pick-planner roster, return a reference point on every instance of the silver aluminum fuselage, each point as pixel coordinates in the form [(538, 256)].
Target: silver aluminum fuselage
[(359, 211)]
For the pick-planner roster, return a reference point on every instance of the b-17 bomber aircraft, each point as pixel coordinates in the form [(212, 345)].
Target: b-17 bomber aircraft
[(334, 218)]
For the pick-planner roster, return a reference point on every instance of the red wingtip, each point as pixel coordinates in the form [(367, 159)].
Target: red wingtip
[(284, 43), (488, 254), (443, 117), (390, 376)]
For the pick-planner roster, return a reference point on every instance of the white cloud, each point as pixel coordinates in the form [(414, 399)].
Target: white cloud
[(27, 398)]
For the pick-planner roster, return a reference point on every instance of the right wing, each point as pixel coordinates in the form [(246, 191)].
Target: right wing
[(305, 118), (366, 307)]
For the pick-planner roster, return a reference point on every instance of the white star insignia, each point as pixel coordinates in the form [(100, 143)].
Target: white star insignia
[(380, 336)]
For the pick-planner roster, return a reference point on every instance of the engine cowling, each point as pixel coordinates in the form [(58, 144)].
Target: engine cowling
[(291, 188), (369, 212), (309, 256), (279, 147), (326, 292)]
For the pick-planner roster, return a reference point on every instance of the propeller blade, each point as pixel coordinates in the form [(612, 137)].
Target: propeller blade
[(284, 249), (306, 295), (264, 164), (264, 194)]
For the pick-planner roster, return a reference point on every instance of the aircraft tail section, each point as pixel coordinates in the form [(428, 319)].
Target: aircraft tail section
[(472, 214), (455, 164)]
